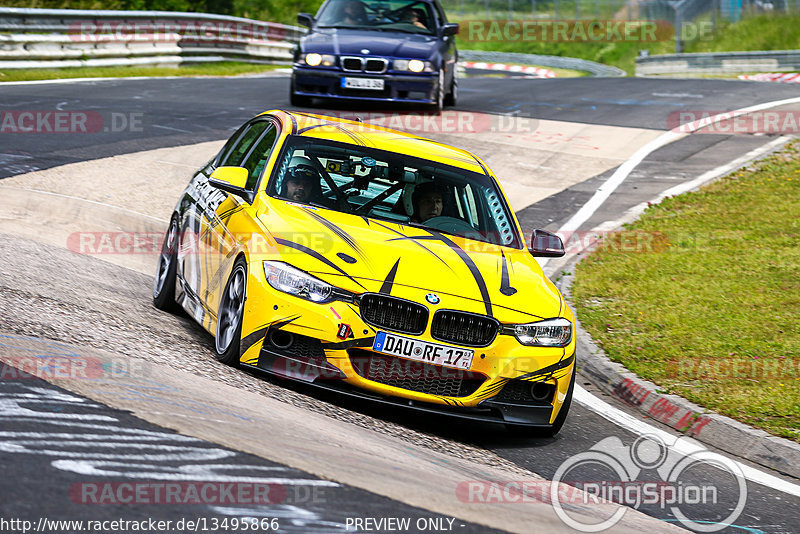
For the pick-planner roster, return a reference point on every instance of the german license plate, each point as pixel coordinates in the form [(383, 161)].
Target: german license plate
[(423, 351), (375, 84)]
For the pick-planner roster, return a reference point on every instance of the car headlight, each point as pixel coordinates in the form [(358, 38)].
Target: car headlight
[(413, 65), (547, 333), (288, 279), (313, 60)]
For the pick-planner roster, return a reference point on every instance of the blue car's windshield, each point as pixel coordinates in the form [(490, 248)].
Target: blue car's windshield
[(388, 186), (411, 16)]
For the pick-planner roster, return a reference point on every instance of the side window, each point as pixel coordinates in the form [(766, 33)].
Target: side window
[(245, 142), (258, 157)]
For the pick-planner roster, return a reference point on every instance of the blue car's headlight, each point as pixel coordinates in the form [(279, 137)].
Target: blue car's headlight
[(547, 333), (288, 279), (412, 65), (314, 60)]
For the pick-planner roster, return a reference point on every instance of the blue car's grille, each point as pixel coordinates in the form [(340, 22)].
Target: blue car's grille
[(373, 65)]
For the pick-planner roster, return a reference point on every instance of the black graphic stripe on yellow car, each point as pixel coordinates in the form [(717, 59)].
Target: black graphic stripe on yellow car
[(258, 335), (505, 285), (386, 287), (461, 253), (340, 233), (467, 157), (492, 390), (473, 269), (313, 127), (357, 139), (294, 123), (426, 249), (315, 254), (226, 215), (550, 369), (346, 257)]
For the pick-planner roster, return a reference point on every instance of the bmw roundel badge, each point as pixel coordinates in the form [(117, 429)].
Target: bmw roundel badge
[(432, 298)]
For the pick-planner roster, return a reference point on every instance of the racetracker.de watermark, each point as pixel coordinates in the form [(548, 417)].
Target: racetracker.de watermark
[(171, 31), (50, 367), (464, 122), (581, 31), (69, 122), (177, 493), (734, 122), (753, 368), (205, 243)]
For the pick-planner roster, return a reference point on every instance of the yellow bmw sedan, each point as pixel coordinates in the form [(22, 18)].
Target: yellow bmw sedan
[(372, 262)]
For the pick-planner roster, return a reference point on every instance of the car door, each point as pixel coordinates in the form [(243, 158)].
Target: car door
[(231, 222), (217, 217)]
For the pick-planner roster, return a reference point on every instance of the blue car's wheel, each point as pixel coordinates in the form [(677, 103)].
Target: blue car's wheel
[(451, 97)]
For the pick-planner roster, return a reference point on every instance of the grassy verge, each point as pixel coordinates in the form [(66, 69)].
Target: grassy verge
[(710, 308), (200, 69)]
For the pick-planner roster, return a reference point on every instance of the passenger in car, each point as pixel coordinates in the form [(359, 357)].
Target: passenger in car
[(428, 201), (412, 16)]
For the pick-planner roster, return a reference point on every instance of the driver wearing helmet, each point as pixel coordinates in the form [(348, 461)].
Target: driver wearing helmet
[(428, 201), (301, 183)]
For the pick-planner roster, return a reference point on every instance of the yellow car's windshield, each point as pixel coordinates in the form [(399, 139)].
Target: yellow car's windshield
[(388, 186)]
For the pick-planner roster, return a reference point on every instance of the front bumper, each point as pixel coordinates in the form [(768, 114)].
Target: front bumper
[(323, 375), (347, 364), (322, 83)]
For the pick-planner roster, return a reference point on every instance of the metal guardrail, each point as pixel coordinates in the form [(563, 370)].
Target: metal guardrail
[(557, 62), (36, 38), (51, 38), (718, 63)]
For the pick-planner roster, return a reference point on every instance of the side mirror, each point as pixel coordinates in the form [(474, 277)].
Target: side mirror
[(232, 180), (304, 19), (449, 29), (546, 245)]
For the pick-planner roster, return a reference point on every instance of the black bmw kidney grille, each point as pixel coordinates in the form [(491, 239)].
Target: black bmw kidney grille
[(352, 63), (394, 314), (463, 328), (375, 65), (414, 375)]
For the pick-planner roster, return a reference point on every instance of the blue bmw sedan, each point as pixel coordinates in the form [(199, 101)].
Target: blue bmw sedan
[(387, 50)]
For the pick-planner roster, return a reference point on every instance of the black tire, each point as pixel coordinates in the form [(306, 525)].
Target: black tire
[(229, 315), (555, 428), (438, 104), (164, 283), (299, 101), (451, 97)]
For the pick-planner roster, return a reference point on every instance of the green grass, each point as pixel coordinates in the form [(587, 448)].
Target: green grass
[(764, 32), (708, 307), (199, 69)]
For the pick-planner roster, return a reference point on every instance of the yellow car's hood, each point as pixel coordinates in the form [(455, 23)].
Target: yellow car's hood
[(361, 254)]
